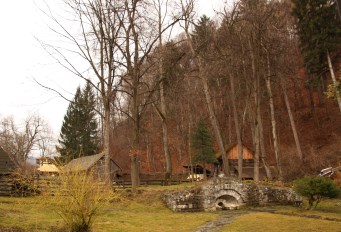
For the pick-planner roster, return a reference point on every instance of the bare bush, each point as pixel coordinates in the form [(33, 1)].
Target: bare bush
[(79, 199), (23, 182)]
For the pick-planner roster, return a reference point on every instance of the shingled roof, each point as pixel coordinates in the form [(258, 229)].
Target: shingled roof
[(84, 163)]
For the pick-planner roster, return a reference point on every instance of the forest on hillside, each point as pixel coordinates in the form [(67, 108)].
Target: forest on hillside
[(261, 73)]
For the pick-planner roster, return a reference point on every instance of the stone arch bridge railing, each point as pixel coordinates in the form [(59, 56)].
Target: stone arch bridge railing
[(224, 193)]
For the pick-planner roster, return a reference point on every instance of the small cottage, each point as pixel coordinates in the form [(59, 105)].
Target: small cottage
[(232, 154), (93, 163), (198, 172), (248, 163), (6, 167), (47, 166)]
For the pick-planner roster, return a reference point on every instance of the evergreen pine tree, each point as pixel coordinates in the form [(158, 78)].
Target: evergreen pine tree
[(202, 145), (90, 140), (203, 36), (78, 136), (319, 30)]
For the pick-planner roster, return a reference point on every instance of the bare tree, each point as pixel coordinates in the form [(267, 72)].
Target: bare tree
[(115, 40), (22, 141), (95, 43), (187, 11), (158, 4), (142, 30)]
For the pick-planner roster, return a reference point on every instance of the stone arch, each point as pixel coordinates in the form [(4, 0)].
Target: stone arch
[(228, 199)]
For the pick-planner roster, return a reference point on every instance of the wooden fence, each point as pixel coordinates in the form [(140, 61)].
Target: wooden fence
[(39, 184), (127, 184)]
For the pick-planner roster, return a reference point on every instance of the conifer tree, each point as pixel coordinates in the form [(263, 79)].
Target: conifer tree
[(78, 136), (202, 145), (319, 30), (203, 36)]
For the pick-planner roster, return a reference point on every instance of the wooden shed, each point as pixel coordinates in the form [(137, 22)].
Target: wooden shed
[(6, 167), (232, 154), (6, 163), (93, 163), (47, 166), (248, 163)]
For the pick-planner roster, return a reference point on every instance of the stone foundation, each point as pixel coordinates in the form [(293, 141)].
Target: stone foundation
[(227, 194)]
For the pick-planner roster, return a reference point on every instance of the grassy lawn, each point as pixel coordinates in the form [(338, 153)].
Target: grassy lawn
[(145, 212), (295, 220), (326, 209), (258, 222)]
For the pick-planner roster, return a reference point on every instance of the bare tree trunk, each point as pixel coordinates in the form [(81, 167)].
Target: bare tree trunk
[(256, 86), (134, 172), (257, 152), (236, 123), (292, 122), (332, 74), (180, 143), (190, 148), (107, 150), (168, 159), (214, 123), (136, 141), (273, 120), (165, 136), (263, 155), (187, 10), (149, 154)]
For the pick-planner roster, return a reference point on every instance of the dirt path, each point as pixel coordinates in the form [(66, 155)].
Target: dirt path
[(224, 219)]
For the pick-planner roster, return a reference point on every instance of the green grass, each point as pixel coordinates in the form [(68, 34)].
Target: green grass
[(29, 214), (141, 217), (296, 219), (326, 209), (258, 222), (144, 212)]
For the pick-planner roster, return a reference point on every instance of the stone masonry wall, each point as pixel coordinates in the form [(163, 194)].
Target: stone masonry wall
[(224, 193)]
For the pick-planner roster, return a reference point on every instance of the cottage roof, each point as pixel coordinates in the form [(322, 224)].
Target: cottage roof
[(85, 163), (48, 168), (233, 152), (6, 163)]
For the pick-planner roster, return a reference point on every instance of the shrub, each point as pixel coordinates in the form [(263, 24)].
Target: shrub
[(79, 199), (23, 181), (315, 188)]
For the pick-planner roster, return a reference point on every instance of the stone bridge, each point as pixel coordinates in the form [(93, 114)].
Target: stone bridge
[(224, 194)]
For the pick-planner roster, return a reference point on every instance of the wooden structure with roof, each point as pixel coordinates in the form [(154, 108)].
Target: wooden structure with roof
[(232, 155), (248, 163), (6, 167), (47, 166), (93, 163), (6, 163)]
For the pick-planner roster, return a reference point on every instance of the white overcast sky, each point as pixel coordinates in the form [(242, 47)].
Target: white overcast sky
[(22, 60)]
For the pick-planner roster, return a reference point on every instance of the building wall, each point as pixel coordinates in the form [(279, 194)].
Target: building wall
[(233, 153), (6, 164)]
